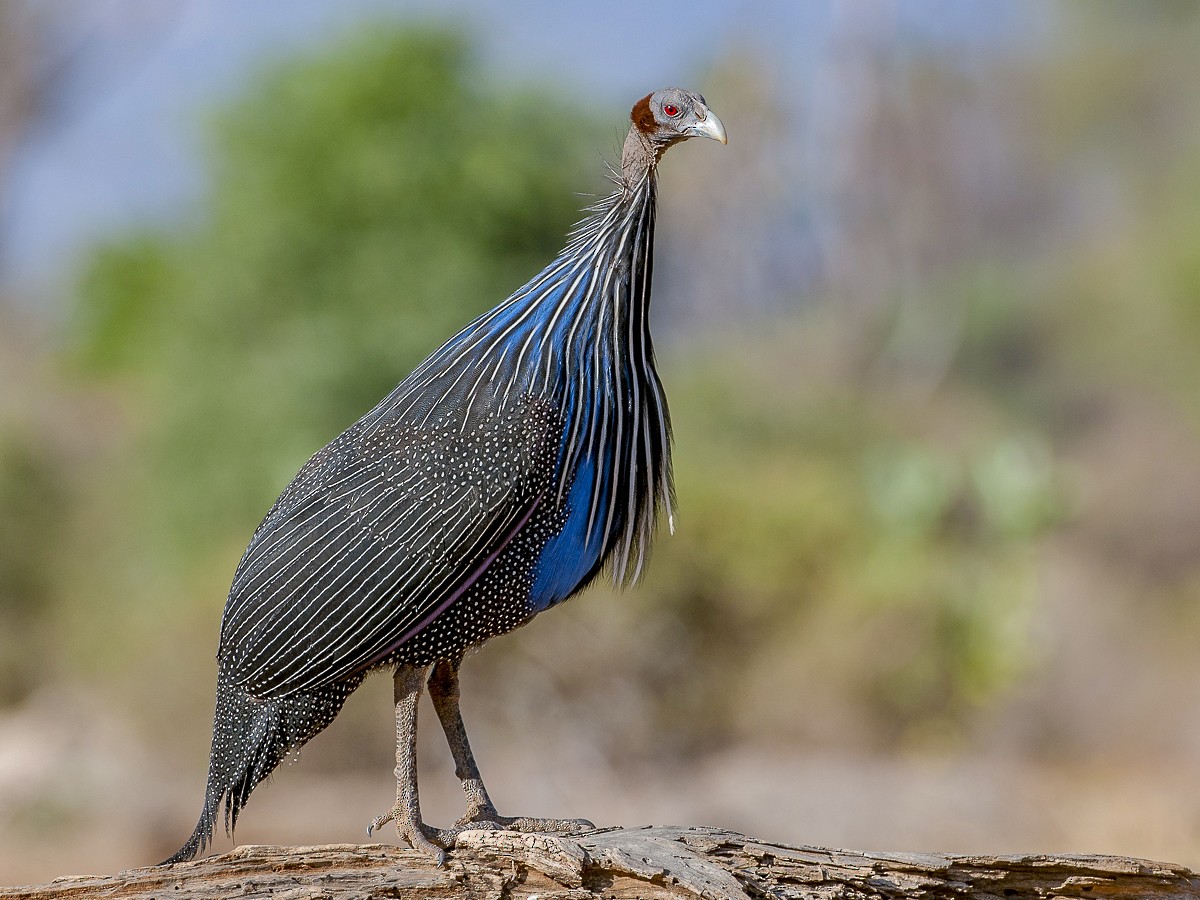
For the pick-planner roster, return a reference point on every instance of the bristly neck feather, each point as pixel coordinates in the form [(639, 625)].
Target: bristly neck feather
[(641, 151)]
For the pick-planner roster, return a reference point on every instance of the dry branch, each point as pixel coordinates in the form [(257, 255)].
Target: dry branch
[(647, 862)]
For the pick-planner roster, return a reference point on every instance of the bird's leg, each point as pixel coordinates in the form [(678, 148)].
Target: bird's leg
[(443, 691), (407, 811)]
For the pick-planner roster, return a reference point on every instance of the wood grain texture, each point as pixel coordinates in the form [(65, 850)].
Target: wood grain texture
[(650, 862)]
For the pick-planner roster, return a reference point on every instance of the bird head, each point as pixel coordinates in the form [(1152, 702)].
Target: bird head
[(672, 115), (661, 119)]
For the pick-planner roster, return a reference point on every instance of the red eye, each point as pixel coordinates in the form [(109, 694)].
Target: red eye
[(671, 109)]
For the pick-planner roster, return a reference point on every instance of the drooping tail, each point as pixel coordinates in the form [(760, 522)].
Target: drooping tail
[(250, 738)]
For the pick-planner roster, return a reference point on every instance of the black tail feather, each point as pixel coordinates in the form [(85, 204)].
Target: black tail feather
[(250, 738)]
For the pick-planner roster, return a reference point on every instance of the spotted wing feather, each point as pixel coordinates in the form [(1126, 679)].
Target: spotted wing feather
[(376, 536)]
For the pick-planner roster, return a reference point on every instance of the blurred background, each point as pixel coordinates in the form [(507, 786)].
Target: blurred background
[(930, 327)]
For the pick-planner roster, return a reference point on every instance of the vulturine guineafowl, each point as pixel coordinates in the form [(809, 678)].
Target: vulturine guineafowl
[(525, 455)]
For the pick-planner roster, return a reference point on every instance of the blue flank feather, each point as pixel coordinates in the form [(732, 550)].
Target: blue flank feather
[(569, 557)]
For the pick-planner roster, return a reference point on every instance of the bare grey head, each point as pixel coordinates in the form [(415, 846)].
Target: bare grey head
[(666, 117)]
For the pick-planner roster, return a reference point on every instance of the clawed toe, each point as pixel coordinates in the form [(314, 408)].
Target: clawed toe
[(475, 823), (548, 826), (379, 821), (527, 824)]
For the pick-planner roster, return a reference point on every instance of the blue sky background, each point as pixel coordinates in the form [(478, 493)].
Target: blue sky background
[(127, 147)]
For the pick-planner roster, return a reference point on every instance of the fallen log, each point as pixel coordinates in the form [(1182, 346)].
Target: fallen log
[(649, 862)]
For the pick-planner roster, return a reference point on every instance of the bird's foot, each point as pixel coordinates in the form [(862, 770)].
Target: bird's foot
[(421, 837), (434, 842)]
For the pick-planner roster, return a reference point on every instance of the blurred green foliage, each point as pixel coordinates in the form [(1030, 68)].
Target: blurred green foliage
[(33, 493), (824, 548), (364, 205)]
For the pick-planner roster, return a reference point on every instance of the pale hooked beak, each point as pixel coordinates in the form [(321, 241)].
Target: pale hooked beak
[(710, 127)]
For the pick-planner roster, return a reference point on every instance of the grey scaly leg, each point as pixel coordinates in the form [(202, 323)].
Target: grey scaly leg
[(481, 813), (443, 691), (407, 811)]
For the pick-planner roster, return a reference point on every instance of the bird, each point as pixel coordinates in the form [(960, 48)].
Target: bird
[(525, 456)]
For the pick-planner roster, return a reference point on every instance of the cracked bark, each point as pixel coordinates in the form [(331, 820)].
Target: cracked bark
[(650, 862)]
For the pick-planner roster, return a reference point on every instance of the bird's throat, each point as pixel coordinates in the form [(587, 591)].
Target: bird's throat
[(638, 157)]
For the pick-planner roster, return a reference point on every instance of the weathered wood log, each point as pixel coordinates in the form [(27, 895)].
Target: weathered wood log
[(651, 862)]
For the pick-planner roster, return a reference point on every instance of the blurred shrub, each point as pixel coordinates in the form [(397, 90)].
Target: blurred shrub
[(364, 205), (834, 554), (32, 507)]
